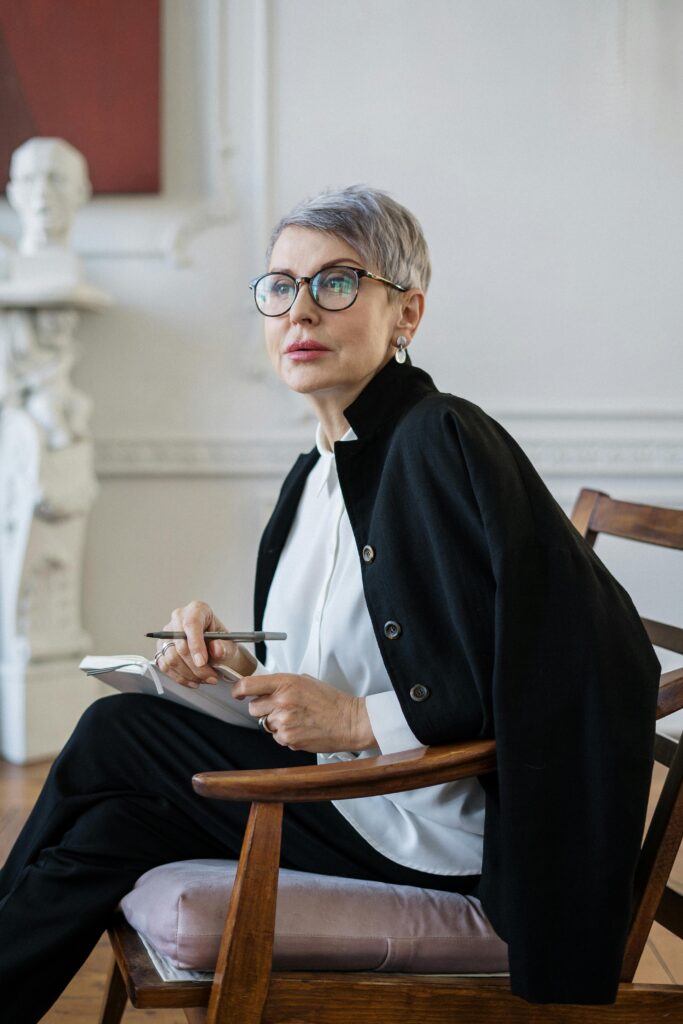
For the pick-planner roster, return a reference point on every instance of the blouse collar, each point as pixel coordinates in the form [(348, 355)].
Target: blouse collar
[(327, 467)]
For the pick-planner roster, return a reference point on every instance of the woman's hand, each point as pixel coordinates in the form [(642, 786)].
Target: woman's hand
[(188, 661), (306, 714)]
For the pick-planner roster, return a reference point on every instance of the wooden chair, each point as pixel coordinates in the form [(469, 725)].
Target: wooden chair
[(246, 989)]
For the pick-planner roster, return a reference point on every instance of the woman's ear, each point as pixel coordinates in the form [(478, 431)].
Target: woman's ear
[(411, 310)]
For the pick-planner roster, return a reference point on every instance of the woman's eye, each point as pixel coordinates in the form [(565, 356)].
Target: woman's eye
[(339, 284), (279, 288)]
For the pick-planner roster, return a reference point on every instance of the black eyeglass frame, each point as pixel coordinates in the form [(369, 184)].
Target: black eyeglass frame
[(298, 281)]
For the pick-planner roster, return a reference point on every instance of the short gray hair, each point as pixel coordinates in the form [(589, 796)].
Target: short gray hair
[(385, 234)]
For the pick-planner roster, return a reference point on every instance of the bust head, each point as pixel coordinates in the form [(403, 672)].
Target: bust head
[(48, 182)]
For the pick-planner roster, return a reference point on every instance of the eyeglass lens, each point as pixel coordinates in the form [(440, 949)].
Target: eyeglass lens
[(333, 288)]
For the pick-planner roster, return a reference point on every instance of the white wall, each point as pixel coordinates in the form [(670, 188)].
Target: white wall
[(539, 142)]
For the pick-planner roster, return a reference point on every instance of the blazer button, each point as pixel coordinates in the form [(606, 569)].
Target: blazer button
[(419, 692), (368, 553), (392, 630)]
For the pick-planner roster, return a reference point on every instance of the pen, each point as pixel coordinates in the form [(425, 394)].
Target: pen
[(247, 638)]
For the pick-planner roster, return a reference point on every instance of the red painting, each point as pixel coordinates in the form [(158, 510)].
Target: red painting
[(86, 71)]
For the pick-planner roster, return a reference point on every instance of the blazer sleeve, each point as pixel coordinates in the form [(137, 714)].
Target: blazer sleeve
[(574, 693), (571, 686)]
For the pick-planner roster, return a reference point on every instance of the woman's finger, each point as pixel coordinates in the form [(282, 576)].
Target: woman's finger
[(256, 686), (222, 650), (180, 673), (185, 666), (177, 661), (196, 617), (178, 626), (170, 669), (258, 707)]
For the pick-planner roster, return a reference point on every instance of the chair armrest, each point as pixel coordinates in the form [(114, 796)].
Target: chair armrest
[(367, 776), (670, 696)]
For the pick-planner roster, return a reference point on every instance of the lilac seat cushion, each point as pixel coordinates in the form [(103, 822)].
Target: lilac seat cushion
[(322, 922)]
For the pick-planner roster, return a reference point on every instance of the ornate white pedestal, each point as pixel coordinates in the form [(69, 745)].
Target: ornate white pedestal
[(47, 486)]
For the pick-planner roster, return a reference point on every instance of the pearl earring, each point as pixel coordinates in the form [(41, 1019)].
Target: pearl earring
[(401, 346)]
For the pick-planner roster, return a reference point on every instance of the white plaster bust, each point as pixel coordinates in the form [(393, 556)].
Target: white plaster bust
[(48, 183)]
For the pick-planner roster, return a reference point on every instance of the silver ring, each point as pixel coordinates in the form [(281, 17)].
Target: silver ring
[(164, 648), (263, 724)]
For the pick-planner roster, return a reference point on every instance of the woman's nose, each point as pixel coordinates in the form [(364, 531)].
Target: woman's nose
[(304, 308)]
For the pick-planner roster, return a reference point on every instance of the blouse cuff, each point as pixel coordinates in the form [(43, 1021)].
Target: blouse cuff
[(389, 724)]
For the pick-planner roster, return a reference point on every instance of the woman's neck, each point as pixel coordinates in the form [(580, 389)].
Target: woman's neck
[(329, 405), (332, 422)]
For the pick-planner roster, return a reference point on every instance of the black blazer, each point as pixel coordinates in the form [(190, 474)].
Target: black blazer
[(495, 618)]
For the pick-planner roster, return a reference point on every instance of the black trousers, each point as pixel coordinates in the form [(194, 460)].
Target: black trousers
[(117, 802)]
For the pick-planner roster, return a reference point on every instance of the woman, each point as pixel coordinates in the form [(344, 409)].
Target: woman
[(431, 590)]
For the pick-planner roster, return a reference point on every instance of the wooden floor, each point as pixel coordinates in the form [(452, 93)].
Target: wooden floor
[(662, 961)]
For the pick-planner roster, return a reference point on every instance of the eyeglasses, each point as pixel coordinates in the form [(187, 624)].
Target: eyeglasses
[(332, 288)]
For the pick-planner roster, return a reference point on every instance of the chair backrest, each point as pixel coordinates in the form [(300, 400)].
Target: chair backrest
[(594, 513)]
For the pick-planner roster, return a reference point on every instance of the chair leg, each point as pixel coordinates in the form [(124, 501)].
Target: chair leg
[(242, 979), (115, 998), (197, 1015)]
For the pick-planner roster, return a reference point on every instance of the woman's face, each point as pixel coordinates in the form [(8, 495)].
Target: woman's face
[(351, 344)]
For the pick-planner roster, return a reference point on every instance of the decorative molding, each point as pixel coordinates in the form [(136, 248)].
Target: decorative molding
[(575, 442), (162, 227), (606, 457), (588, 416), (198, 456), (569, 446)]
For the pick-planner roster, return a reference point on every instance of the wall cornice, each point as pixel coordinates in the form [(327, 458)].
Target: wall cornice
[(264, 456), (572, 444)]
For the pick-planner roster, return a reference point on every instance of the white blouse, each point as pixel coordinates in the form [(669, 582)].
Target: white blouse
[(317, 598)]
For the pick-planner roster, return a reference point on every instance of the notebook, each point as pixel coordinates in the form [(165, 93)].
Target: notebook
[(132, 673)]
